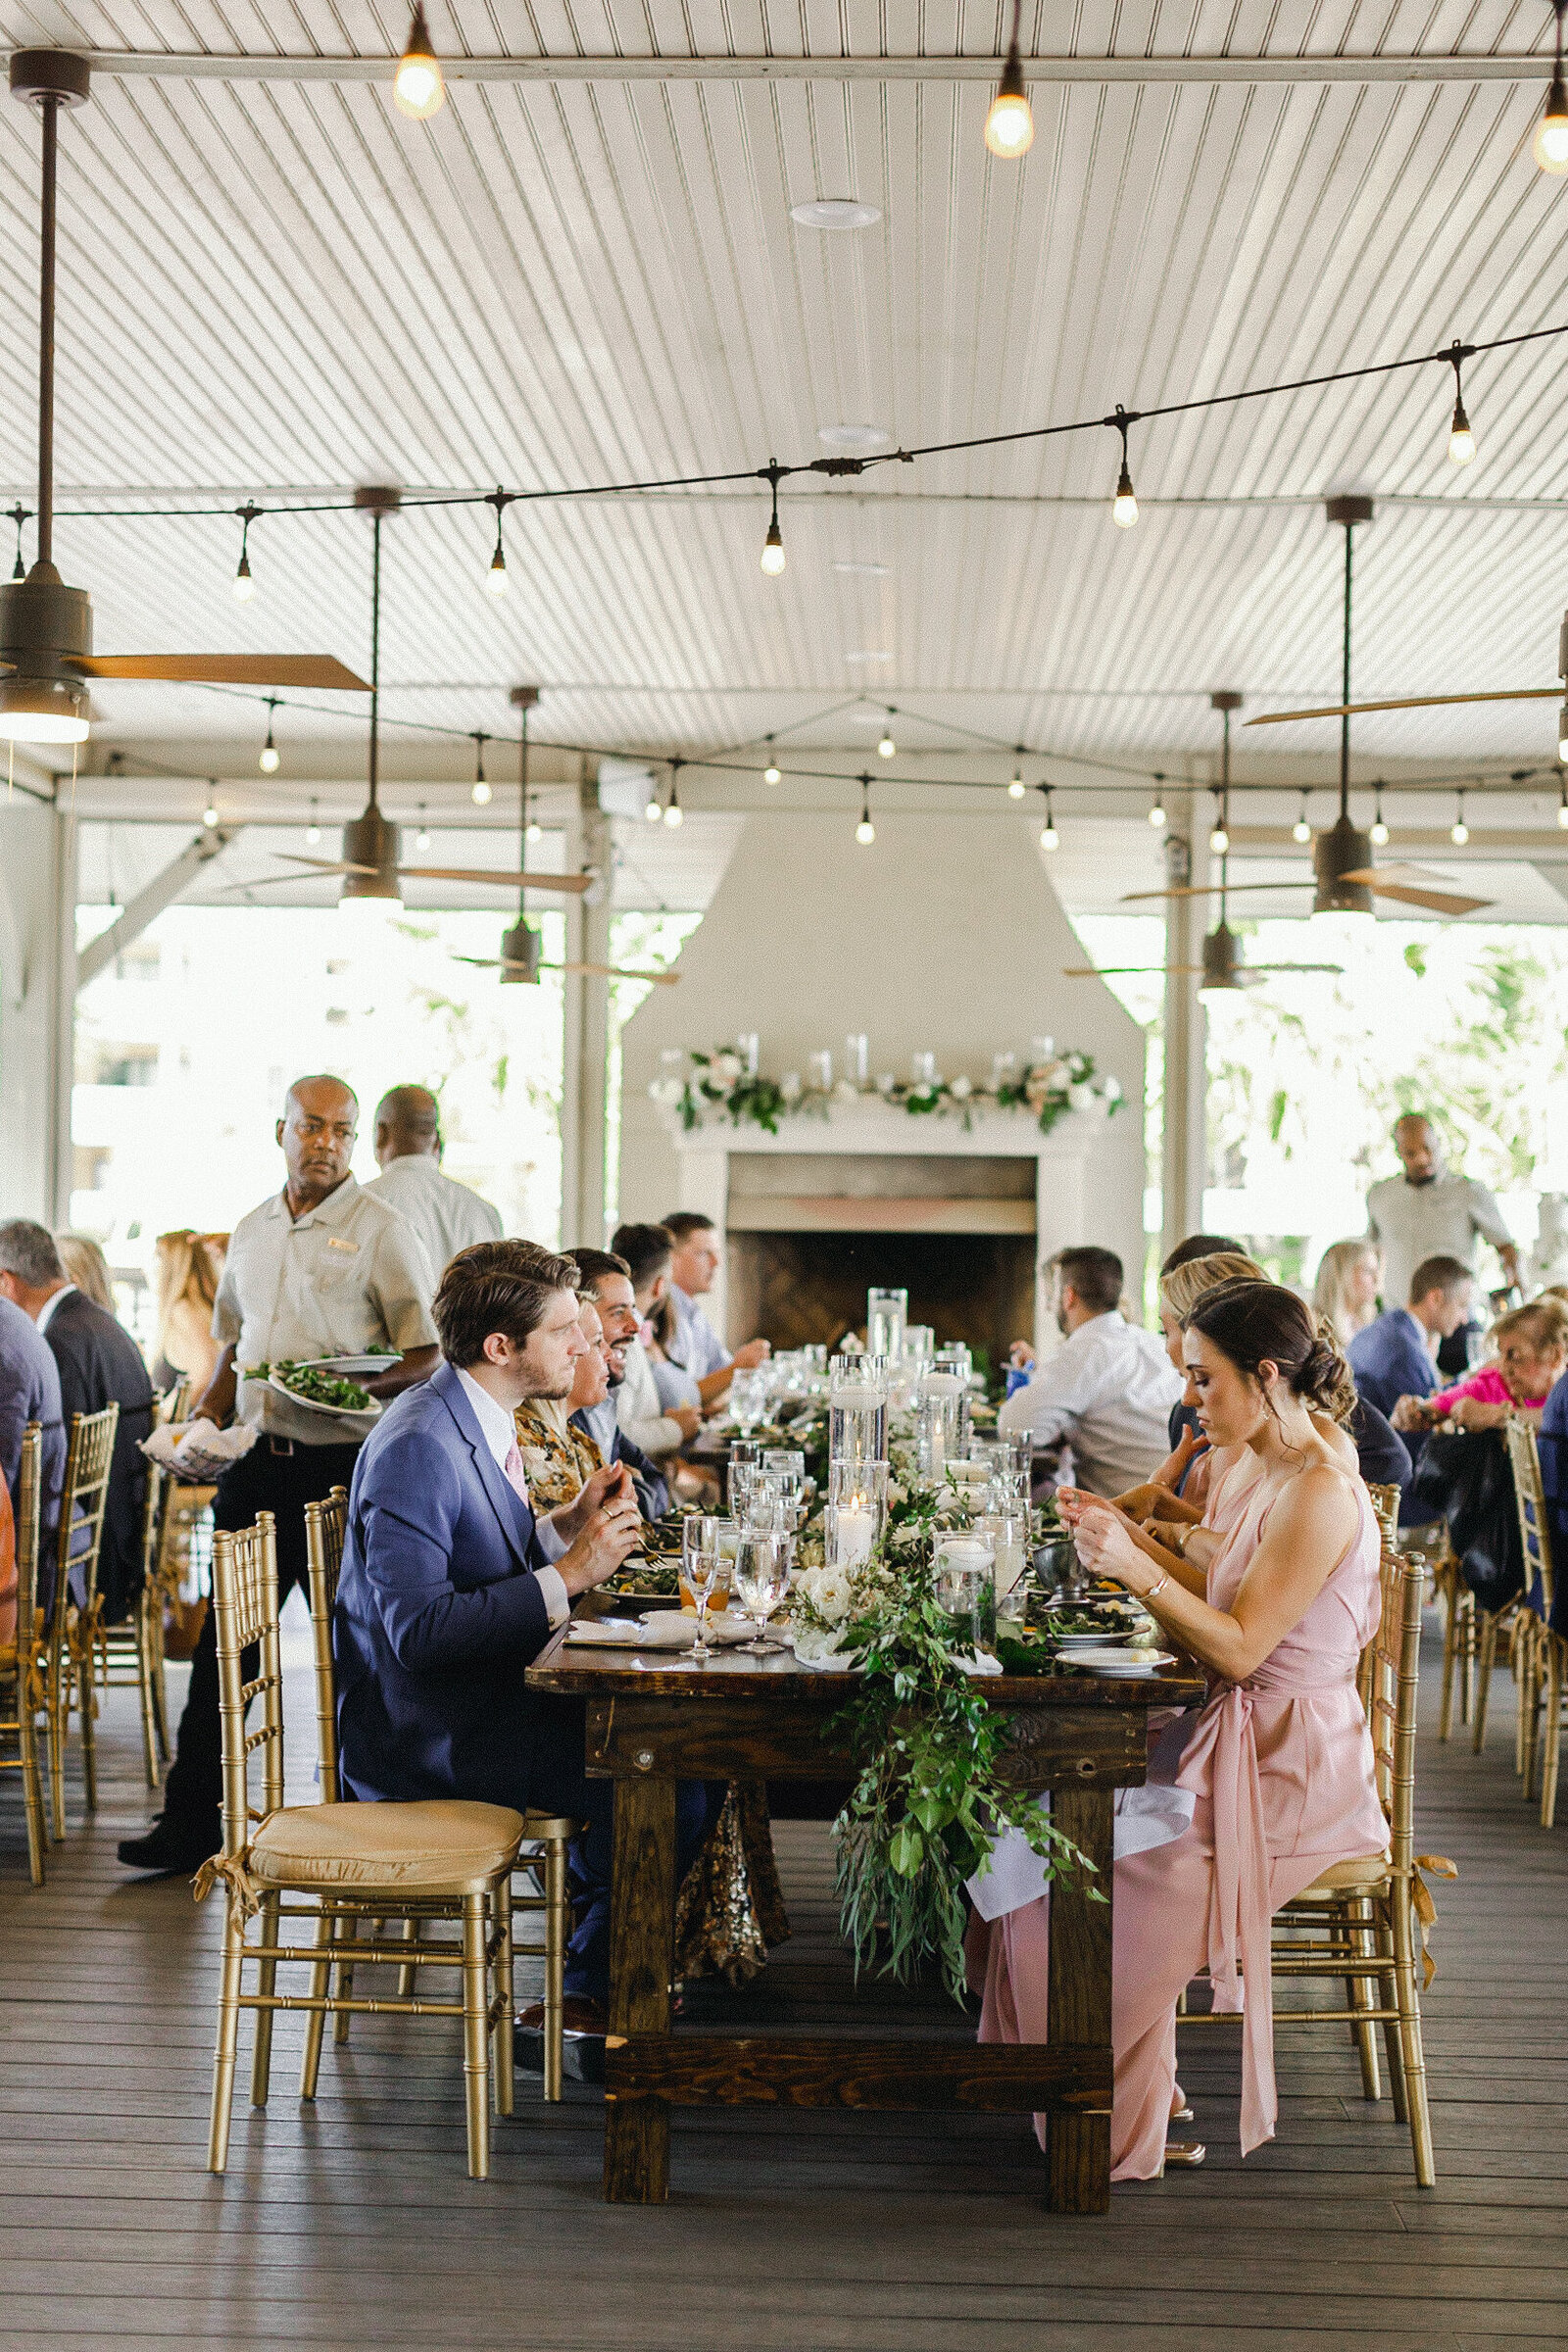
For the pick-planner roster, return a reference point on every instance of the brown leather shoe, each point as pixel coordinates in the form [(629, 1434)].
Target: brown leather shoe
[(578, 2015)]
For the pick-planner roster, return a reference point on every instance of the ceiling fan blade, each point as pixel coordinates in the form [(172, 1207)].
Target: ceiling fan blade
[(1438, 901), (1293, 968), (1211, 889), (615, 972), (1128, 972), (1408, 702), (574, 884), (321, 866), (313, 670)]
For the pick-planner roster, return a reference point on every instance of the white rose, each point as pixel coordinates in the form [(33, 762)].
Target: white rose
[(961, 1089), (728, 1066), (789, 1086), (1110, 1088), (667, 1091), (1081, 1097)]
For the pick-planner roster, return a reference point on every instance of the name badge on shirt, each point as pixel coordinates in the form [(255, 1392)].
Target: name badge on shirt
[(333, 1243)]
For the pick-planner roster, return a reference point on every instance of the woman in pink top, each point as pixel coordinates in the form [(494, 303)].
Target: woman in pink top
[(1532, 1347), (1276, 1603)]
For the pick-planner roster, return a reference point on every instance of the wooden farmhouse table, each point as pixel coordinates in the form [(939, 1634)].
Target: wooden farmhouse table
[(654, 1718)]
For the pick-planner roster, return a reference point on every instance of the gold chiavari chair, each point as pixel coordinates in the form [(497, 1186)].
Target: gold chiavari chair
[(22, 1660), (378, 1857), (129, 1655), (546, 1836), (1366, 1920), (1460, 1643), (1543, 1650), (73, 1626)]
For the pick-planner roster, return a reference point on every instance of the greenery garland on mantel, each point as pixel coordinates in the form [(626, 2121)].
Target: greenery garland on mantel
[(719, 1085)]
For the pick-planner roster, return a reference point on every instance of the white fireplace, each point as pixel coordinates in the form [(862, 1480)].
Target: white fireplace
[(944, 937)]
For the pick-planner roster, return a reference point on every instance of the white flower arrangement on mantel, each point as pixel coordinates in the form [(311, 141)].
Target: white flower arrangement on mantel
[(723, 1085)]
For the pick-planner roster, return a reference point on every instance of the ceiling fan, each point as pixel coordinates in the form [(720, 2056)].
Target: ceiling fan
[(46, 655), (1222, 966), (519, 960), (1344, 879)]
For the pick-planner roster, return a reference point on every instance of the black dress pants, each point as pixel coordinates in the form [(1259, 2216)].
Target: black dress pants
[(281, 1477)]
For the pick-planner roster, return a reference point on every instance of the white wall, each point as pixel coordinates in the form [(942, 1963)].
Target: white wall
[(943, 935)]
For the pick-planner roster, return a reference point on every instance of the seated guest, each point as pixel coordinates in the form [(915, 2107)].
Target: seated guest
[(1344, 1295), (606, 1283), (451, 1586), (99, 1364), (1396, 1355), (1552, 1444), (558, 1455), (697, 1346), (1275, 1598), (30, 1391), (1108, 1392), (659, 1405), (86, 1267), (1531, 1344)]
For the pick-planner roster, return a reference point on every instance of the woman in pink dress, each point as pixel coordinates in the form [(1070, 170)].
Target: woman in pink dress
[(1276, 1603), (1531, 1344)]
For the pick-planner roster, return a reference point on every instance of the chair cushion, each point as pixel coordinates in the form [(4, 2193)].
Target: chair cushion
[(1366, 1872), (441, 1846)]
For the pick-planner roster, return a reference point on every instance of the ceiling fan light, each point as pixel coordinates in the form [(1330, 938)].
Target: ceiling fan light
[(1343, 849), (371, 842), (418, 88), (43, 710), (521, 951)]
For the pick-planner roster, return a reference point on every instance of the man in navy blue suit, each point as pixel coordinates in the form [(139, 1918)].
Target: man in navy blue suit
[(1394, 1356), (451, 1586)]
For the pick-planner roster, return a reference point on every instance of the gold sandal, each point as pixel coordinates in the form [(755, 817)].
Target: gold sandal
[(1181, 2153)]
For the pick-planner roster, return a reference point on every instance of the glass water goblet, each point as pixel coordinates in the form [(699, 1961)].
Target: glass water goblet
[(707, 1571), (762, 1581), (786, 1472)]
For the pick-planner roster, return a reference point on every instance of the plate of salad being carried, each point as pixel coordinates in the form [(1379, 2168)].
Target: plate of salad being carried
[(318, 1388)]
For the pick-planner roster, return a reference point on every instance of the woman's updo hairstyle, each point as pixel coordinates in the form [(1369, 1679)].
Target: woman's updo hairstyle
[(1257, 1323)]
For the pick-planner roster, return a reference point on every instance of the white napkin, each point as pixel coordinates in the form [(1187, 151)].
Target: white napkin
[(1146, 1817), (198, 1452)]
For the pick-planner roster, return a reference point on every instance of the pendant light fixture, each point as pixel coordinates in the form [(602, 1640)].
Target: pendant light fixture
[(312, 831), (1458, 831), (1301, 830), (865, 831), (1380, 831), (1015, 789), (1124, 508), (1157, 812), (210, 813), (369, 843), (270, 759), (674, 815), (1562, 808), (521, 946), (418, 88), (774, 544), (421, 839), (1050, 838), (1010, 125), (1551, 135), (771, 772), (887, 747), (1343, 850), (496, 578), (244, 585), (19, 514), (480, 795), (1461, 440)]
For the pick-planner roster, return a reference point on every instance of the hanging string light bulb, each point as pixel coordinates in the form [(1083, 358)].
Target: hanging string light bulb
[(1551, 133), (1124, 509), (887, 746), (1010, 125), (1461, 440), (1157, 812), (1301, 831), (1458, 831), (312, 831), (482, 789), (270, 759), (1380, 831), (773, 772), (653, 809), (421, 839), (774, 544), (865, 831), (1016, 788), (210, 813), (674, 815), (19, 516), (418, 89), (496, 578), (244, 585), (1050, 838), (1219, 841)]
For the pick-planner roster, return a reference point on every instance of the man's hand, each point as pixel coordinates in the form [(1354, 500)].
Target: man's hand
[(609, 1536), (605, 1489), (1021, 1356), (754, 1353), (687, 1419)]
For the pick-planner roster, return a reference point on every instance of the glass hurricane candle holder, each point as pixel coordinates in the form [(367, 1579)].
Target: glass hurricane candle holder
[(923, 1070), (858, 1056), (943, 1410), (821, 1069), (858, 1411), (963, 1580), (885, 1313), (919, 1344), (856, 1512)]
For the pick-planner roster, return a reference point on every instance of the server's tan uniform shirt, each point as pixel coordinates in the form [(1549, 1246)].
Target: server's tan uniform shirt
[(348, 1275)]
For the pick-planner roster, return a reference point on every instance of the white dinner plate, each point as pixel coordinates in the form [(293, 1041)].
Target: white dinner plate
[(1089, 1640), (1125, 1662), (355, 1367), (658, 1629), (359, 1418)]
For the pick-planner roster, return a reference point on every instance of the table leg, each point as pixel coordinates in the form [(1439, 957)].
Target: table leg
[(641, 1959), (1078, 2010)]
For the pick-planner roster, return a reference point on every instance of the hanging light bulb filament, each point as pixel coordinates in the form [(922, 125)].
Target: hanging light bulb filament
[(268, 762), (773, 772), (1157, 812), (244, 585), (774, 544), (887, 746), (312, 831), (1461, 440), (1219, 841), (421, 839), (1009, 123), (1124, 511), (1551, 133), (418, 88)]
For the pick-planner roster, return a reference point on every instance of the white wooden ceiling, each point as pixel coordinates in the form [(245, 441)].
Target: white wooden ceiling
[(277, 287)]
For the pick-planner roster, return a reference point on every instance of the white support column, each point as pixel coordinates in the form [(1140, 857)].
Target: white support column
[(1185, 1154), (37, 1009), (586, 1044), (148, 904)]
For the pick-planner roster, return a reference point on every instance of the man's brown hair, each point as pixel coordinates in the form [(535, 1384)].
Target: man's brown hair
[(497, 1286)]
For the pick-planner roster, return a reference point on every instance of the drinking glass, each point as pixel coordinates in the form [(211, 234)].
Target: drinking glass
[(884, 1315), (762, 1580), (744, 1453), (964, 1577), (748, 1401), (787, 1473), (919, 1344), (1006, 1523), (706, 1572)]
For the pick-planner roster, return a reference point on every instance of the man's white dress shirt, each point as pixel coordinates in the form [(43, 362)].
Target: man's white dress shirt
[(1108, 1388), (445, 1214), (1410, 1222), (46, 1312), (499, 1431)]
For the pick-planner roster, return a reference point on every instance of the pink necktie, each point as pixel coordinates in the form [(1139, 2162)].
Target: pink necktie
[(512, 1471)]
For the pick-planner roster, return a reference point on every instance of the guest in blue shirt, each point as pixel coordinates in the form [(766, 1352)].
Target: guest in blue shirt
[(1551, 1441), (1394, 1356), (30, 1391)]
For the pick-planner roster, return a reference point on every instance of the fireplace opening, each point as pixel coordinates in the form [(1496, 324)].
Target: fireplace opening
[(800, 1288)]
